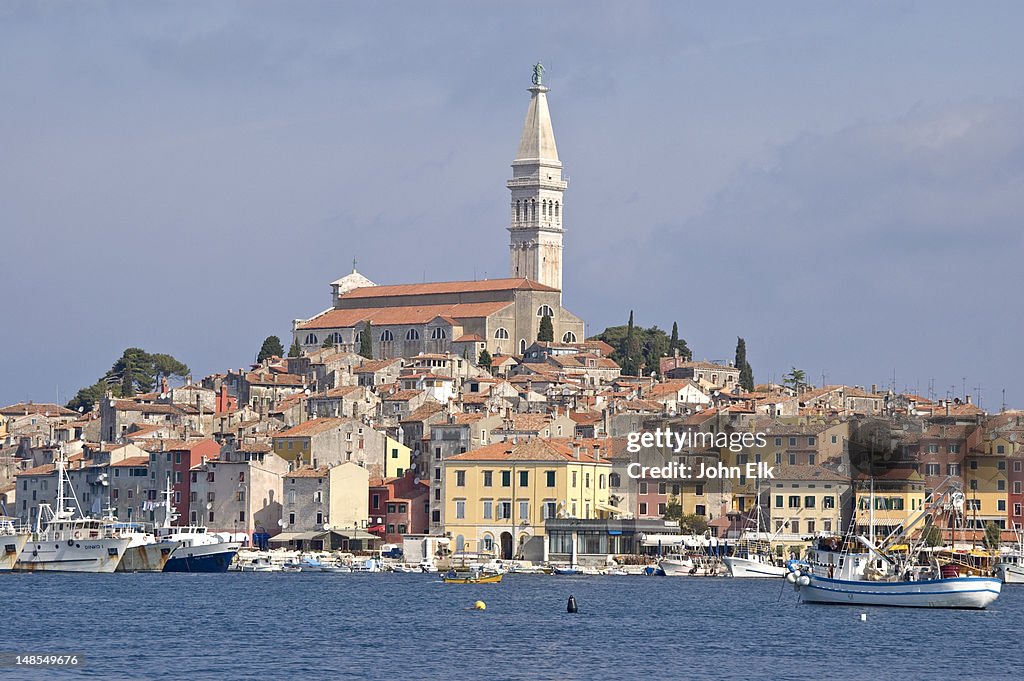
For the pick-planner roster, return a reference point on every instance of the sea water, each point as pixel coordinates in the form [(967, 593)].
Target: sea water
[(412, 626)]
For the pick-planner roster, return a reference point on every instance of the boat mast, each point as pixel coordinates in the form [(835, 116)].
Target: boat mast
[(169, 514), (871, 510)]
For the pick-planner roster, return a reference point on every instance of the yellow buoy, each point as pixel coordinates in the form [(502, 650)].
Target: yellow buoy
[(479, 605)]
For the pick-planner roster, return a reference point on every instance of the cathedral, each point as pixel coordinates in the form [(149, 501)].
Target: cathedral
[(502, 316)]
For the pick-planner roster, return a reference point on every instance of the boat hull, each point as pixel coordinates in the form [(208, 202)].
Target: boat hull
[(147, 557), (746, 568), (487, 579), (677, 568), (958, 592), (11, 546), (90, 555), (213, 561), (1010, 573)]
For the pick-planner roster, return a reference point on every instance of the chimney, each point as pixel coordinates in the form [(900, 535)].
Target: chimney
[(874, 389), (968, 399), (576, 450)]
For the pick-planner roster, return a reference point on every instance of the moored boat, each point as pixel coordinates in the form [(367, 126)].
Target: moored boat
[(197, 549), (454, 578), (12, 540)]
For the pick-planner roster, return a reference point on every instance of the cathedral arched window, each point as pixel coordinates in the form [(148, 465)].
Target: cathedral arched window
[(412, 334), (311, 339), (533, 208), (501, 333), (522, 346), (386, 336), (517, 210), (545, 311), (556, 209), (359, 337), (438, 334), (569, 337), (335, 338), (544, 209)]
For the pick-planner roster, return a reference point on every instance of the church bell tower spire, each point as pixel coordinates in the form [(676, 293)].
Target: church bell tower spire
[(537, 187)]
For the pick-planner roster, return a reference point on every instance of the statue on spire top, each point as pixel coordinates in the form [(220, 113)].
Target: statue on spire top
[(538, 70)]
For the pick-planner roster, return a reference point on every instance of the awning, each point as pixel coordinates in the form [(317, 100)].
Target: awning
[(608, 508), (355, 534), (285, 537)]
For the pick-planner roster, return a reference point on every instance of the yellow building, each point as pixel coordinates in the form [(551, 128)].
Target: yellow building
[(985, 485), (497, 497), (397, 458), (806, 500), (899, 496)]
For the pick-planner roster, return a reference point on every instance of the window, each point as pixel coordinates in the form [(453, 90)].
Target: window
[(778, 458), (974, 504), (661, 509), (1001, 505), (952, 469), (974, 465), (1017, 509), (501, 333), (488, 506), (699, 509), (809, 502), (438, 333), (828, 502), (954, 449), (811, 440), (524, 510), (778, 442), (1000, 449), (506, 478), (792, 459), (460, 478), (601, 481), (792, 442), (311, 339), (1001, 465), (545, 311), (412, 335), (778, 501), (376, 499), (550, 475), (524, 478), (932, 469), (1001, 485), (643, 485), (662, 487), (1016, 487), (698, 490), (794, 526), (794, 502), (933, 449), (504, 510), (386, 336), (460, 509), (488, 478), (551, 509), (574, 481), (643, 509), (1016, 466), (834, 439), (568, 337), (811, 459)]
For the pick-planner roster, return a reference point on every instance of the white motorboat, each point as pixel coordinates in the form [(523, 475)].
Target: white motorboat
[(12, 540), (753, 565), (146, 552), (63, 543), (1010, 565), (677, 565)]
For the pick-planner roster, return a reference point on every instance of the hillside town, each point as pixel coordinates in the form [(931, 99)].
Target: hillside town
[(478, 413)]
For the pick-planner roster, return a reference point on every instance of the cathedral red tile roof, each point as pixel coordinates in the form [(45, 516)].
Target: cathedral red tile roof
[(394, 316)]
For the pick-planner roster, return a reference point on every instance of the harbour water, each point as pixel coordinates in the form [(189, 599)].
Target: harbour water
[(411, 626)]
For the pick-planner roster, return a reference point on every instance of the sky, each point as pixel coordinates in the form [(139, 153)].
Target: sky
[(841, 184)]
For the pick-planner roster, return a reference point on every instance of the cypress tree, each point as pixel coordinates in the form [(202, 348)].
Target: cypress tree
[(484, 361), (271, 348), (366, 341), (546, 332), (295, 350)]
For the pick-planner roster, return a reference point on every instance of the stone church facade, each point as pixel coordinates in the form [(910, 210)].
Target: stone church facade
[(464, 317)]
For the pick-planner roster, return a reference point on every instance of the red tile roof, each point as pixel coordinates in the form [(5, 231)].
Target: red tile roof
[(443, 287), (531, 450), (311, 427)]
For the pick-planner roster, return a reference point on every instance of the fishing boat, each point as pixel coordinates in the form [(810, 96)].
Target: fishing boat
[(677, 565), (146, 552), (63, 542), (12, 540), (570, 570), (1010, 565), (452, 577), (198, 550), (858, 571)]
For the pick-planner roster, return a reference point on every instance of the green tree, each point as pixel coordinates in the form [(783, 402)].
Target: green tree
[(993, 535), (87, 398), (546, 332), (295, 350), (328, 341), (631, 349), (691, 523), (271, 348), (741, 363), (366, 341), (135, 371), (795, 379), (655, 346), (673, 509), (933, 536), (484, 360), (638, 349)]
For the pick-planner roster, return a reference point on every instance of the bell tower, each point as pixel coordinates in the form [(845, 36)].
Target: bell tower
[(537, 187)]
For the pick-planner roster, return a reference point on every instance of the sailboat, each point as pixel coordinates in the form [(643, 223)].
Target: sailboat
[(752, 555), (61, 542), (197, 550), (858, 571)]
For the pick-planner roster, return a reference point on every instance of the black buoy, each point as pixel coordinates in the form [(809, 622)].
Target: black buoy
[(571, 606)]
